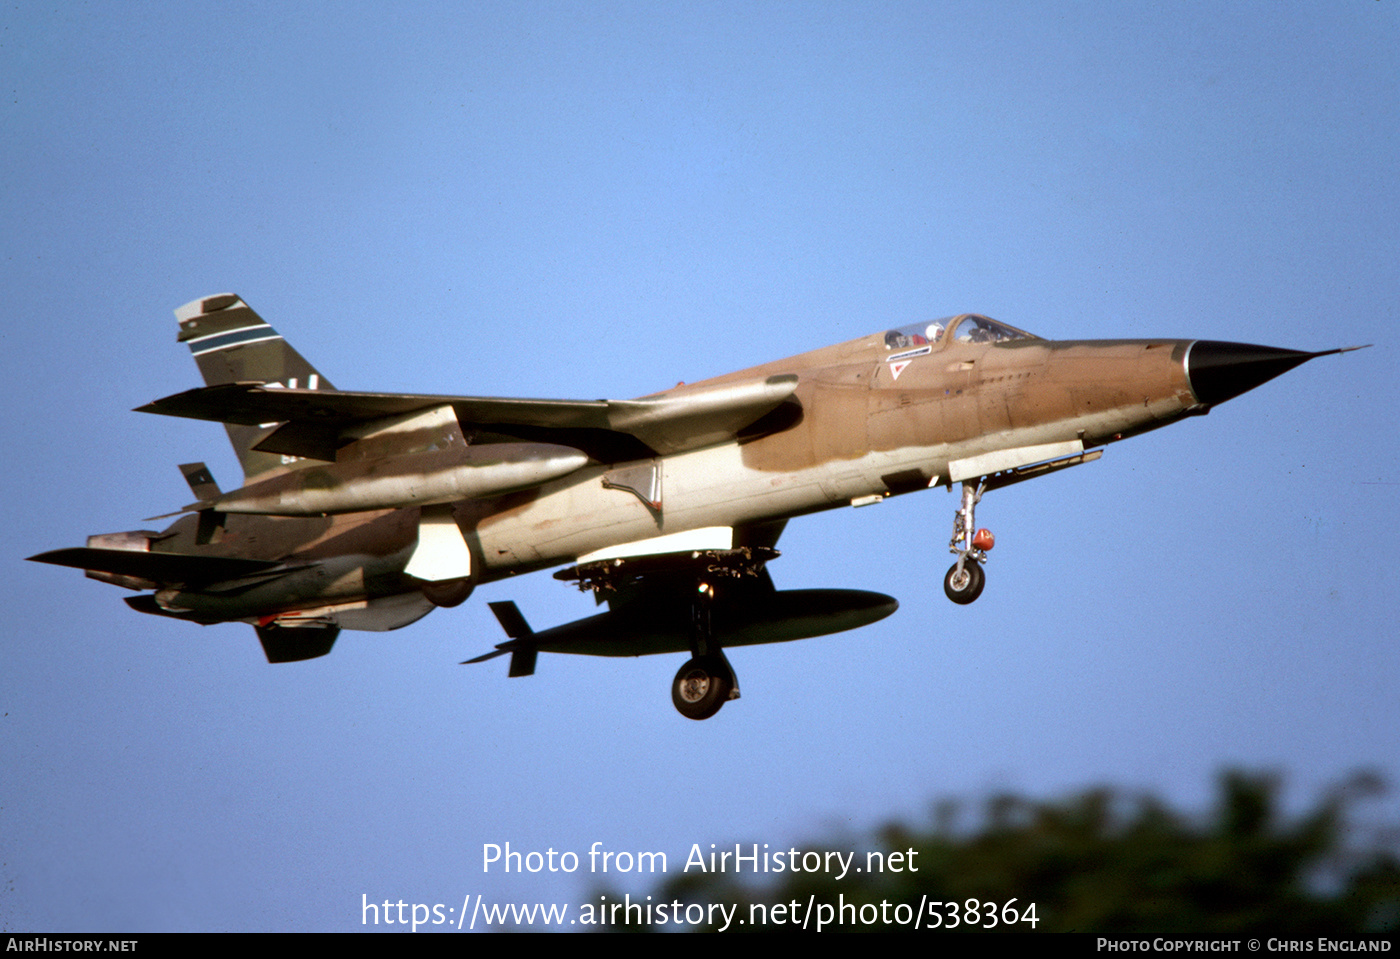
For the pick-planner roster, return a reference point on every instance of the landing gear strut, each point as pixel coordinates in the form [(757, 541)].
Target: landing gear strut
[(707, 682), (692, 583), (965, 579)]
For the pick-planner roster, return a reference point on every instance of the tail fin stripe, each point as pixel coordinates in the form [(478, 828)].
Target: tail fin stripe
[(231, 343), (223, 341)]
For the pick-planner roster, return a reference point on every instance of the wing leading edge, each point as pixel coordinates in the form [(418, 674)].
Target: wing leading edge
[(315, 423)]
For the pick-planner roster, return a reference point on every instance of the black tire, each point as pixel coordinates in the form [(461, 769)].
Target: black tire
[(966, 588), (701, 687)]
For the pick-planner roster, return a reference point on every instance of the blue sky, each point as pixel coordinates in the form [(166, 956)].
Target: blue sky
[(586, 200)]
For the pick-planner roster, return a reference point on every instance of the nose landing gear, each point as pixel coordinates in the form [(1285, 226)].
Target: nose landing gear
[(965, 578), (964, 581)]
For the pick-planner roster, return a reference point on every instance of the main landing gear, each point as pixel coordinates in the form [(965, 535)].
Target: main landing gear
[(691, 585), (702, 686), (965, 579), (707, 681)]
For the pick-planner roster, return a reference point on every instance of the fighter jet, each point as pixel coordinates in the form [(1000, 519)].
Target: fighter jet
[(367, 510)]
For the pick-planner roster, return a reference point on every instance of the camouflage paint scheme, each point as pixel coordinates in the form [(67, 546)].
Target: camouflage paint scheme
[(365, 510)]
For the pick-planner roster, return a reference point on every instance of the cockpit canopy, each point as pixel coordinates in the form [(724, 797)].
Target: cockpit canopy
[(965, 328)]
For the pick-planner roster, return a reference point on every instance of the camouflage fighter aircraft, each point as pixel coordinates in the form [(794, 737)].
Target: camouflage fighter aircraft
[(367, 510)]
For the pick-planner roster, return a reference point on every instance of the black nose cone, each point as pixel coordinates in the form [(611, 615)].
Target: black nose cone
[(1222, 371)]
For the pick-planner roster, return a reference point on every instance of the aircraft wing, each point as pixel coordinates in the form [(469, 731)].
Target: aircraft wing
[(315, 423)]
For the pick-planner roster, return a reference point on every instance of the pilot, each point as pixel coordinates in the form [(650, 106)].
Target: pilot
[(898, 339), (934, 331)]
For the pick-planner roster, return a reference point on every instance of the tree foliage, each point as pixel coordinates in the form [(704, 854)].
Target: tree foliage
[(1108, 863)]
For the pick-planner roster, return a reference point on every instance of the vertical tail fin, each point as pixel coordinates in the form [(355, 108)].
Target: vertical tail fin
[(230, 343)]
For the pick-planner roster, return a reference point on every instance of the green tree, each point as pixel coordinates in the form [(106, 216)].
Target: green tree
[(1108, 863)]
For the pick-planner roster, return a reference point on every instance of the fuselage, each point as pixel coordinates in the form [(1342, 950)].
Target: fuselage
[(873, 417), (864, 430)]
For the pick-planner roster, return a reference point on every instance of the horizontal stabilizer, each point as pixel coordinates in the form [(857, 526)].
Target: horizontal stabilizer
[(156, 567)]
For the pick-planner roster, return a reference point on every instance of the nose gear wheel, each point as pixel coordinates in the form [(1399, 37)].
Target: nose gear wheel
[(964, 582)]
